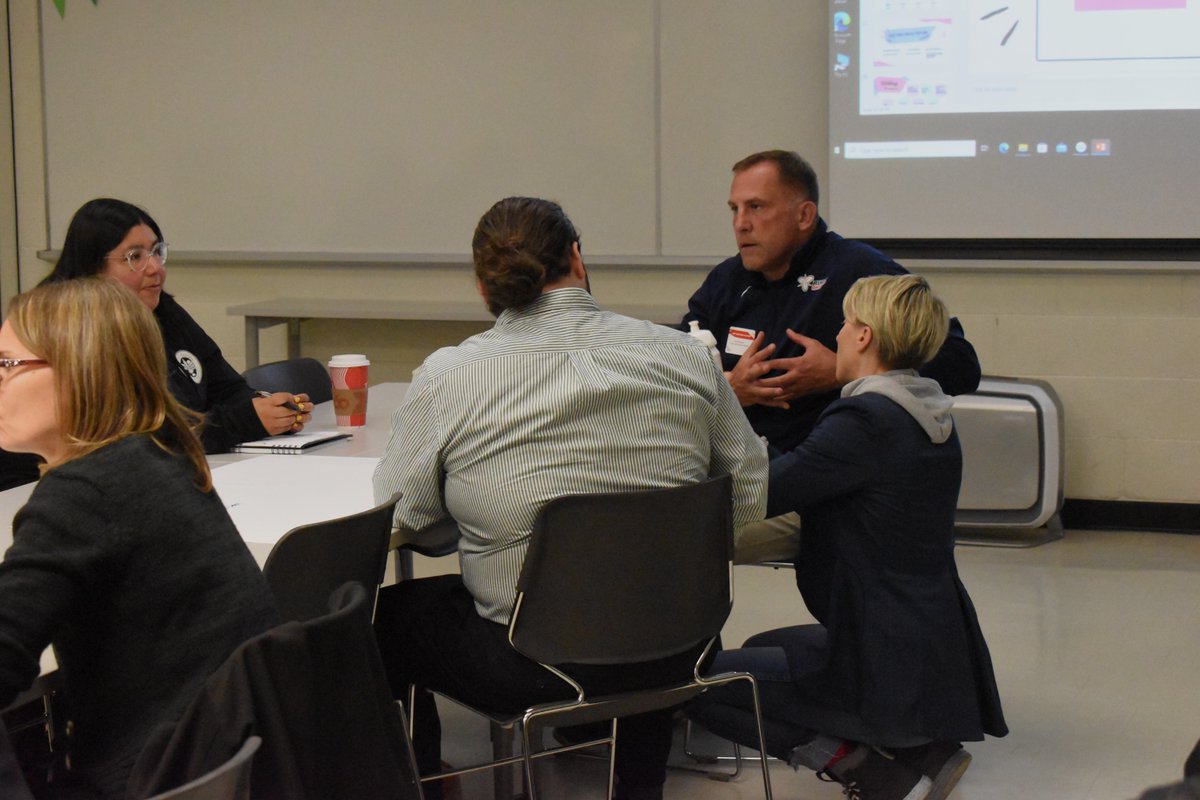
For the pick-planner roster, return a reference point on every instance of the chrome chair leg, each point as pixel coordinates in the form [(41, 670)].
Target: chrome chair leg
[(502, 747), (702, 758), (612, 761)]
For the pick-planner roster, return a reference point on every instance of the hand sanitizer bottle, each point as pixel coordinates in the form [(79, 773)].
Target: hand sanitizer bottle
[(707, 337)]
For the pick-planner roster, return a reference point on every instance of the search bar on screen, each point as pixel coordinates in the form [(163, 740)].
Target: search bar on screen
[(950, 148)]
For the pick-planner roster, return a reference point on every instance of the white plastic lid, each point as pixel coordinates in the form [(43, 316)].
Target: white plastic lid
[(349, 360)]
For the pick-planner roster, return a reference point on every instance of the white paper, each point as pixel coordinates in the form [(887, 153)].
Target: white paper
[(267, 496)]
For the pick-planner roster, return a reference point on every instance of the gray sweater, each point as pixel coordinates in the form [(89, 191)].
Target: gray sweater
[(144, 586)]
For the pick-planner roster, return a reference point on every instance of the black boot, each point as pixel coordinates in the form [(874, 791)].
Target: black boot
[(867, 774), (942, 762)]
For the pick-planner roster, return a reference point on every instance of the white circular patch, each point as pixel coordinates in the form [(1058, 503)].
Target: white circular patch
[(190, 365)]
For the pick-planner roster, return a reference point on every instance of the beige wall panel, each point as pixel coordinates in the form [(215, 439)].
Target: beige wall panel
[(1048, 345), (998, 293), (1095, 407), (1095, 468), (672, 286), (1162, 470), (1122, 295), (1159, 409), (1166, 347), (1130, 408), (1189, 295)]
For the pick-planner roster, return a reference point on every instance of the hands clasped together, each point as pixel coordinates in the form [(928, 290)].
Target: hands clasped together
[(811, 372)]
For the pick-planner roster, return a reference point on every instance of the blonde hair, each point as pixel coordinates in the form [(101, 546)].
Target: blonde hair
[(909, 322), (110, 369)]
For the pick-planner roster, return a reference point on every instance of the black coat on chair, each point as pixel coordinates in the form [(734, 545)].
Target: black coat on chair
[(316, 694)]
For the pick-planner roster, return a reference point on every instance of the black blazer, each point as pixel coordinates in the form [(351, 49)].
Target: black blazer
[(904, 652)]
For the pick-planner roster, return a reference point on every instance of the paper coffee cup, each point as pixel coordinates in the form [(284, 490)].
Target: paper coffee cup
[(349, 375)]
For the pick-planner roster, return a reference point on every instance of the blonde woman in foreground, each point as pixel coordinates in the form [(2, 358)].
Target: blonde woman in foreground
[(124, 557)]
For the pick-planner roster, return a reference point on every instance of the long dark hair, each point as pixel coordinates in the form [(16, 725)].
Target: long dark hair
[(97, 227)]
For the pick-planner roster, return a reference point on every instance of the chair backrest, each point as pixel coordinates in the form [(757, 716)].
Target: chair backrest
[(230, 781), (311, 561), (294, 375), (317, 694), (626, 577)]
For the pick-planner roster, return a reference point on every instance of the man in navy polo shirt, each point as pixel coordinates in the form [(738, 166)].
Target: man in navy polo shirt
[(776, 307)]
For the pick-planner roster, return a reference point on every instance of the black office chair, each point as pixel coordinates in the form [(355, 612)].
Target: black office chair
[(230, 781), (317, 695), (310, 561), (294, 375), (672, 550), (437, 540)]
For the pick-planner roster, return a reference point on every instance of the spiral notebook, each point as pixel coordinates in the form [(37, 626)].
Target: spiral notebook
[(290, 443)]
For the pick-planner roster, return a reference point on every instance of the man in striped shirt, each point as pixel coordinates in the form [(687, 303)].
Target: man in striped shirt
[(558, 398)]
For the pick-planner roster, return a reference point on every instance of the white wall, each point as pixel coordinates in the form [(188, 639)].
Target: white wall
[(1123, 349)]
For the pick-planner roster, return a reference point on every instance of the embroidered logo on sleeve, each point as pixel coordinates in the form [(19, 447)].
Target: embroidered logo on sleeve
[(739, 340), (190, 365), (807, 283)]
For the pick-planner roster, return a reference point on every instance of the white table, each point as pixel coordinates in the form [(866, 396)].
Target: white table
[(268, 495), (367, 442)]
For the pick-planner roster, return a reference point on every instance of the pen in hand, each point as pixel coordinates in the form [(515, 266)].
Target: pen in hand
[(289, 404)]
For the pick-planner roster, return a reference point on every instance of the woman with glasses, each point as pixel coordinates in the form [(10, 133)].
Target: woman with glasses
[(124, 558), (121, 241)]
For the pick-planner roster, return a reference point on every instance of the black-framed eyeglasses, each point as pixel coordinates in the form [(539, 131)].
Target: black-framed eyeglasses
[(9, 363), (138, 258)]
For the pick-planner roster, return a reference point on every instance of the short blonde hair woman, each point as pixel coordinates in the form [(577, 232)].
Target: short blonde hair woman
[(124, 558), (880, 695), (908, 321)]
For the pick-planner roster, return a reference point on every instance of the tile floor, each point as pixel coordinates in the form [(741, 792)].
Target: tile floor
[(1096, 644)]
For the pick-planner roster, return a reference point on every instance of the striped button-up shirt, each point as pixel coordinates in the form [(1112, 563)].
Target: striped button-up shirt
[(559, 397)]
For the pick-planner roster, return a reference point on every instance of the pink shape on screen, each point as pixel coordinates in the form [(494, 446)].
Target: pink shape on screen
[(889, 85), (1128, 5)]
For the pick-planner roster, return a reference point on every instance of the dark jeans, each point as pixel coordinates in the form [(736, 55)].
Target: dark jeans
[(728, 710), (430, 635), (790, 719)]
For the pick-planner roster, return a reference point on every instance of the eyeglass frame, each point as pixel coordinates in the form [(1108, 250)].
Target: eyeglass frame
[(157, 251), (12, 363)]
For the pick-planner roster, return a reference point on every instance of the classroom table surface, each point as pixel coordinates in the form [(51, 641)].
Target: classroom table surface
[(318, 467)]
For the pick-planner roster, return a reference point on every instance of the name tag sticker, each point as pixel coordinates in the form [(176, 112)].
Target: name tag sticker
[(739, 340)]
